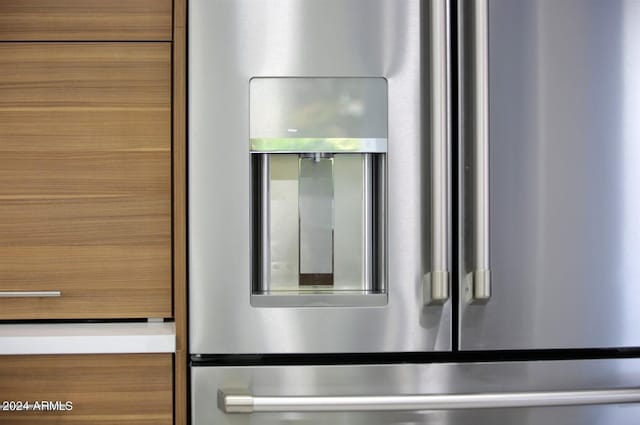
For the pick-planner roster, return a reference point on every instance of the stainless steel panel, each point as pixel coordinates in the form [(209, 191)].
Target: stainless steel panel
[(564, 93), (232, 41), (535, 379)]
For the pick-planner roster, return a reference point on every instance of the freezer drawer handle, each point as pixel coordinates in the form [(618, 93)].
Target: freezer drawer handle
[(30, 294), (478, 282), (239, 402), (436, 283)]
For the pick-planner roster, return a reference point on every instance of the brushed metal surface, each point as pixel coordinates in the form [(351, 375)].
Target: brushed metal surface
[(564, 380), (564, 93), (232, 41)]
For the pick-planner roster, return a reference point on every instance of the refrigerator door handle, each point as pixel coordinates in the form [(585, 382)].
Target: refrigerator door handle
[(478, 281), (436, 283), (239, 402)]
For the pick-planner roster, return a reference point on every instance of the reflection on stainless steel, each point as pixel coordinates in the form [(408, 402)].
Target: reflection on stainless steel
[(346, 108)]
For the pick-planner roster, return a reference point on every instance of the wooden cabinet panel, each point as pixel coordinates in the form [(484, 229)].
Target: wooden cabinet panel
[(85, 20), (85, 179), (110, 389)]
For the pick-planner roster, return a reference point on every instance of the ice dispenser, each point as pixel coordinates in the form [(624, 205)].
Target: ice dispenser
[(318, 151)]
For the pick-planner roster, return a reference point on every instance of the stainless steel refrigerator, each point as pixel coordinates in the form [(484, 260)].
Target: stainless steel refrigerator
[(406, 211)]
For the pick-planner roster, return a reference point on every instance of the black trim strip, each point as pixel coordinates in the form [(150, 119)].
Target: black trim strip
[(396, 358), (455, 184)]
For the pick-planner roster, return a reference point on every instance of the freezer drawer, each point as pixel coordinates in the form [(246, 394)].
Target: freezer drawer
[(297, 393), (551, 194)]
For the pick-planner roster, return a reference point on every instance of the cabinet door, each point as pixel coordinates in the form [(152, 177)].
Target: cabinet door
[(564, 178), (85, 20), (85, 180), (87, 389)]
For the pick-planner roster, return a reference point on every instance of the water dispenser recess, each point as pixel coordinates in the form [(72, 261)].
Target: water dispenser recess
[(318, 155)]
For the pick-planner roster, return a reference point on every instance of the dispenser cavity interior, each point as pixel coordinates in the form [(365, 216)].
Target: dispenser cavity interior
[(318, 151)]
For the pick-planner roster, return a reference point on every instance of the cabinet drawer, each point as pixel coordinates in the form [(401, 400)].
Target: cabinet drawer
[(98, 389), (85, 180), (85, 20)]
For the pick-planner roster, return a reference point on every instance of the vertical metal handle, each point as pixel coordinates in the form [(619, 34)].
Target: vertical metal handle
[(479, 280), (436, 283)]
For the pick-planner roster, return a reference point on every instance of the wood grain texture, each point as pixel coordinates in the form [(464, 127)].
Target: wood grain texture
[(180, 211), (104, 389), (85, 179), (85, 20)]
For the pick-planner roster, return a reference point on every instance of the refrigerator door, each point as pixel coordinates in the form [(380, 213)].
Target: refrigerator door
[(445, 394), (550, 154), (323, 81)]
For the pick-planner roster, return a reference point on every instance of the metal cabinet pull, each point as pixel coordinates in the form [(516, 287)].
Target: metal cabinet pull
[(436, 283), (478, 281), (30, 294), (246, 403)]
